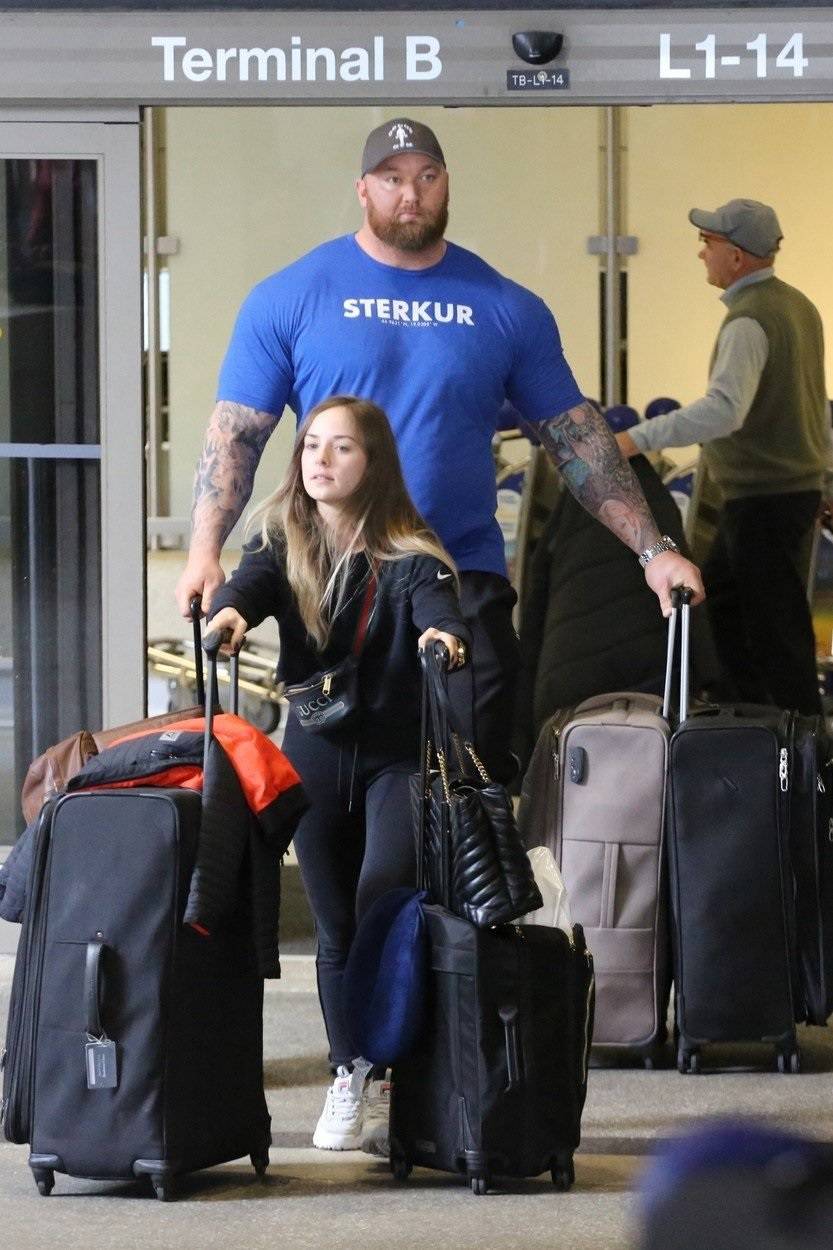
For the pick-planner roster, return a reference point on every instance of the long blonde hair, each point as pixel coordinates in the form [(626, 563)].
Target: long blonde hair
[(382, 518)]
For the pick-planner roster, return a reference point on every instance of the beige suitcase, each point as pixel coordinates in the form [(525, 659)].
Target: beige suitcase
[(594, 794)]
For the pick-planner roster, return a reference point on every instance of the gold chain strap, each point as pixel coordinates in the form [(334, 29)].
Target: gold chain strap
[(444, 775), (484, 776)]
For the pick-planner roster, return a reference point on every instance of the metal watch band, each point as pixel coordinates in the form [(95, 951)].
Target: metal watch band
[(665, 544)]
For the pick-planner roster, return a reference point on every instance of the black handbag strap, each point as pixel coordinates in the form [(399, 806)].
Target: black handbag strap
[(425, 752), (433, 755), (450, 737), (439, 733)]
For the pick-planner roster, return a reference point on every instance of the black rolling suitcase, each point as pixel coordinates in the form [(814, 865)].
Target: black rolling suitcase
[(732, 900), (497, 1082), (134, 1044)]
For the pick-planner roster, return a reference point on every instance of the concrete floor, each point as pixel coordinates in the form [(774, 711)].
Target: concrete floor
[(324, 1201)]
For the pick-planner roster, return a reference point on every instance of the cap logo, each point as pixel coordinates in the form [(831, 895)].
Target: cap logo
[(401, 133)]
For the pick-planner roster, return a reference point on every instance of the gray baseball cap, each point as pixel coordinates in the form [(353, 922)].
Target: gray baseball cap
[(399, 135), (746, 223)]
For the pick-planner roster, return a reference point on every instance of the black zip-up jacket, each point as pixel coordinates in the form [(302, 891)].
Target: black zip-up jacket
[(590, 622), (413, 593)]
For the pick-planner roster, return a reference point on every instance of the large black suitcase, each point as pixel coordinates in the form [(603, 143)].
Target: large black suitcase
[(496, 1085), (134, 1043), (732, 900), (497, 1082)]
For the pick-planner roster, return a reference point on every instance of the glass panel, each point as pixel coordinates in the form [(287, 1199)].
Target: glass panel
[(50, 614), (48, 305), (50, 509)]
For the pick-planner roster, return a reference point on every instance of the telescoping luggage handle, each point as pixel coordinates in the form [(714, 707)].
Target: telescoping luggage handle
[(681, 597), (195, 607), (211, 644), (196, 620)]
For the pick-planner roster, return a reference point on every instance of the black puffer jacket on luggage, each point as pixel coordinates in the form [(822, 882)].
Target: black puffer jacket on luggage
[(590, 623), (244, 830)]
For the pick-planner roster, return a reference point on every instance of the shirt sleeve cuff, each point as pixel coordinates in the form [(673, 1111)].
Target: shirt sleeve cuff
[(639, 434)]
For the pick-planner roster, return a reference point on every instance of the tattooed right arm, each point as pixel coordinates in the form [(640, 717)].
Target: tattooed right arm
[(225, 474)]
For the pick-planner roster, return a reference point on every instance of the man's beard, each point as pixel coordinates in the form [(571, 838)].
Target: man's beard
[(408, 236)]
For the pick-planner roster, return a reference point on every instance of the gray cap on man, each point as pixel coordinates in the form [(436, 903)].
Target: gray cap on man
[(399, 135), (748, 224)]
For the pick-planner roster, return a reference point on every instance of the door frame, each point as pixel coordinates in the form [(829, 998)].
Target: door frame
[(114, 145)]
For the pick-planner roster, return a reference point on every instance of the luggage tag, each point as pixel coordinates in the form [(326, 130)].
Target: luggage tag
[(102, 1065)]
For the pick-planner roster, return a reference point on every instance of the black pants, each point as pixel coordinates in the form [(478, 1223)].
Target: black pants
[(353, 844), (757, 600), (487, 601)]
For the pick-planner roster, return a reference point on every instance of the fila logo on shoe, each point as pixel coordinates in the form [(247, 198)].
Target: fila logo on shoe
[(414, 312)]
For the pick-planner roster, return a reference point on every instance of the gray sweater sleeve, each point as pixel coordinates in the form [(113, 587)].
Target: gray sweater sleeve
[(742, 350)]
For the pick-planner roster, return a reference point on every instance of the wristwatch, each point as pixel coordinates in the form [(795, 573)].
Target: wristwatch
[(665, 544)]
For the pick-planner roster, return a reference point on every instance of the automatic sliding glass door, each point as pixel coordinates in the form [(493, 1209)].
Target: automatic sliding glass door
[(71, 515)]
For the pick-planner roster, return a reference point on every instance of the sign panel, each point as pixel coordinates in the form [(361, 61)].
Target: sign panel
[(614, 57)]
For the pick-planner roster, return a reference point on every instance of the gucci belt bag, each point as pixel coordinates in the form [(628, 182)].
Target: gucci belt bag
[(330, 699)]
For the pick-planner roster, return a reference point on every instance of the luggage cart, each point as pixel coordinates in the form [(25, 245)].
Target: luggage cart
[(172, 682)]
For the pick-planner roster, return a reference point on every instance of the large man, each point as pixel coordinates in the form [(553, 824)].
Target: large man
[(439, 339), (765, 426)]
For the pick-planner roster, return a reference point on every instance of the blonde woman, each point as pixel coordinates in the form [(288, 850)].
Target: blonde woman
[(340, 540)]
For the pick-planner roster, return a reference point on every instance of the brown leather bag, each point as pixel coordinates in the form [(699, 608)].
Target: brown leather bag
[(49, 773)]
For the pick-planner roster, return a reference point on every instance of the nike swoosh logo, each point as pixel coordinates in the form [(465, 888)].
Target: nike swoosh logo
[(441, 577)]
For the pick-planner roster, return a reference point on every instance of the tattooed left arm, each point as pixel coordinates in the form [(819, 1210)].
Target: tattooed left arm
[(583, 447)]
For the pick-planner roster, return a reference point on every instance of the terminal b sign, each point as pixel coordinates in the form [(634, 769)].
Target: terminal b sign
[(574, 56)]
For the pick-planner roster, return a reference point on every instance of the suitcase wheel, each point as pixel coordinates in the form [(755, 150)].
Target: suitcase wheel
[(563, 1173), (163, 1187), (688, 1062), (789, 1062), (260, 1162), (45, 1181), (479, 1185), (400, 1164)]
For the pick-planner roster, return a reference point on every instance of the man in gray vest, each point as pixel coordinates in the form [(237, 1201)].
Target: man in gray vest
[(765, 428)]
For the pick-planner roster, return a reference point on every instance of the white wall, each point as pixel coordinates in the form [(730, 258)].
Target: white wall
[(250, 189)]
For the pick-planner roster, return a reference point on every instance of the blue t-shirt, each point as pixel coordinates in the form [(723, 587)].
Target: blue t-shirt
[(439, 349)]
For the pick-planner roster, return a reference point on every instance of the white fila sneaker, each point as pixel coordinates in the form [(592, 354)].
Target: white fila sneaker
[(340, 1124)]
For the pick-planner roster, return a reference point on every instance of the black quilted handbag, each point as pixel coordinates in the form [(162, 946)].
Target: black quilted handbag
[(473, 858)]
